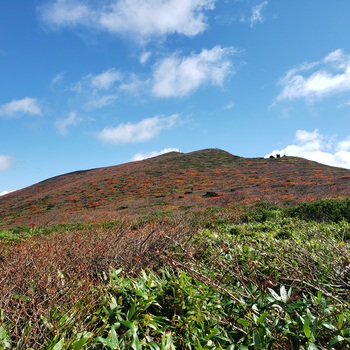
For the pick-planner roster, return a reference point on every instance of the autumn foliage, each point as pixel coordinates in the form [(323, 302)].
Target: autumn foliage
[(171, 182)]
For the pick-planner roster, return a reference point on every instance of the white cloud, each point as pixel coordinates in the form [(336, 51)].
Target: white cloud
[(106, 79), (96, 102), (141, 156), (26, 105), (175, 76), (257, 16), (5, 162), (145, 56), (66, 13), (98, 90), (144, 130), (319, 148), (62, 125), (344, 145), (317, 80), (228, 106), (58, 78), (134, 84), (103, 81), (142, 18), (2, 193)]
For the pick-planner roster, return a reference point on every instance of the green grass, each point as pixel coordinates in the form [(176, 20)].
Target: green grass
[(22, 233)]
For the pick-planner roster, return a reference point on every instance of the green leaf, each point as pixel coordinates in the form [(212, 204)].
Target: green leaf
[(113, 336), (295, 306), (46, 322), (135, 344), (329, 326), (311, 346), (243, 322), (262, 318), (346, 332), (59, 345), (131, 311), (335, 340), (212, 334), (131, 325), (256, 340), (107, 343), (306, 327), (77, 345), (167, 341), (4, 338), (283, 294), (340, 320), (199, 346), (274, 294)]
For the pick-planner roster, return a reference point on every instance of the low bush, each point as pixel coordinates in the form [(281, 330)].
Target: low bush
[(178, 282), (324, 210)]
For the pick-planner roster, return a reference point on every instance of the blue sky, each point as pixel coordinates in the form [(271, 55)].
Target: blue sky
[(87, 84)]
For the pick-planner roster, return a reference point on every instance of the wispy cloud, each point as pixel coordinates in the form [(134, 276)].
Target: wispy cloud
[(144, 130), (96, 102), (143, 19), (103, 81), (62, 125), (66, 13), (26, 105), (106, 79), (320, 148), (257, 16), (177, 76), (98, 90), (5, 162), (57, 79), (317, 80), (228, 106), (141, 155), (145, 56)]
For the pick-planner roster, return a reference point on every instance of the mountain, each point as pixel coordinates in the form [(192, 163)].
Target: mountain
[(173, 181)]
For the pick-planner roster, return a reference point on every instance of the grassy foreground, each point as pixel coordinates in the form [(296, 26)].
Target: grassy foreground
[(251, 278)]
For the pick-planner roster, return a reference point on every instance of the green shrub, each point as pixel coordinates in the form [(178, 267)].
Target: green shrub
[(325, 210)]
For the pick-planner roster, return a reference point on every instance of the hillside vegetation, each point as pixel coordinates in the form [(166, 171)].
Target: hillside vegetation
[(171, 182), (204, 250)]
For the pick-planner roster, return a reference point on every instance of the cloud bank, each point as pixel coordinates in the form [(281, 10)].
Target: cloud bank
[(142, 19), (144, 130), (2, 193), (319, 148), (26, 105), (317, 80), (141, 156)]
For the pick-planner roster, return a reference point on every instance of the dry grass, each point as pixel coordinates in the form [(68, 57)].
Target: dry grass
[(64, 269)]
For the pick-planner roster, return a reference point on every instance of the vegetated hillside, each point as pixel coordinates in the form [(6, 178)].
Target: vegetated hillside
[(200, 179)]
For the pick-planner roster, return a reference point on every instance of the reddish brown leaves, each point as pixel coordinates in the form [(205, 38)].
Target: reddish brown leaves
[(171, 181)]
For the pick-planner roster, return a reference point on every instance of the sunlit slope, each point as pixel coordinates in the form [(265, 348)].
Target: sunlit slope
[(174, 181)]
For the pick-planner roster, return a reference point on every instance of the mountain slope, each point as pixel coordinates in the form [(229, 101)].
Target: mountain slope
[(175, 180)]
